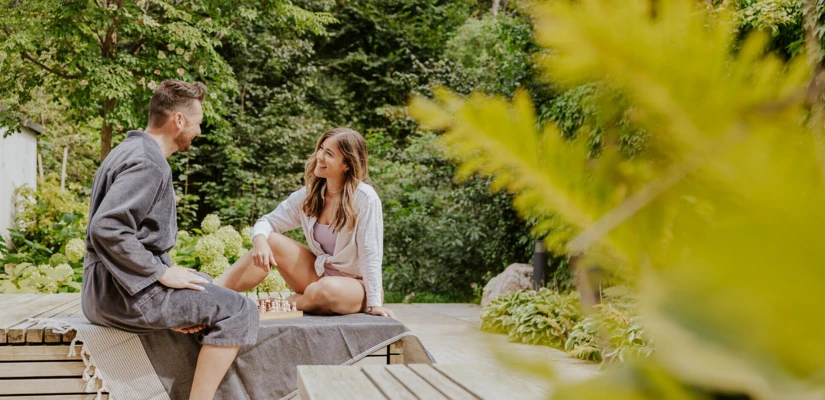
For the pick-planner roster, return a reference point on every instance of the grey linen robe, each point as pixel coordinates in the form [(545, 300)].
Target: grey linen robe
[(132, 226)]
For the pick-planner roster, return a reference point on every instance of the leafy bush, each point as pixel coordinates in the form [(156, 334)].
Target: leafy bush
[(30, 278), (613, 332), (440, 237), (213, 248), (46, 250), (48, 217), (534, 317)]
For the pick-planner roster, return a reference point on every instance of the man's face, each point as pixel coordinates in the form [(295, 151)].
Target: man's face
[(189, 125)]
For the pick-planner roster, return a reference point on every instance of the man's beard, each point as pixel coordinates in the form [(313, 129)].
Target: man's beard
[(183, 141)]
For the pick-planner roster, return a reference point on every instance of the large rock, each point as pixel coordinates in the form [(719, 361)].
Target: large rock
[(516, 277)]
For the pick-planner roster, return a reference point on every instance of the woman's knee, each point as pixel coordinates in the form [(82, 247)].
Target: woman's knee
[(323, 291)]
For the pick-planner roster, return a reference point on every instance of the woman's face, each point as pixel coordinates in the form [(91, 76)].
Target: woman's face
[(329, 162)]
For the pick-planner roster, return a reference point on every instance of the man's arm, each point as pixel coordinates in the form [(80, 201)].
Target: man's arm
[(112, 229)]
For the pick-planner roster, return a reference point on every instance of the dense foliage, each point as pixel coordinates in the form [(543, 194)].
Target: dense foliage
[(729, 186), (280, 73), (614, 332)]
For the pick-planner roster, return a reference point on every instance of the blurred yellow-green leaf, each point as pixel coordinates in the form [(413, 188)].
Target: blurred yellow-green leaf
[(716, 224)]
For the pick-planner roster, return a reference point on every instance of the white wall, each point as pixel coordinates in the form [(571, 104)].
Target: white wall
[(18, 167)]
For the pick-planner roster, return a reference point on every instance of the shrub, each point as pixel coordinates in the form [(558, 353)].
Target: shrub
[(214, 248)]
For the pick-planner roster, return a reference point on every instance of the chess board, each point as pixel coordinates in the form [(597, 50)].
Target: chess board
[(277, 308), (265, 316)]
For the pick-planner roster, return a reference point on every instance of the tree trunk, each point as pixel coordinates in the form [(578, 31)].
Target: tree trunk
[(63, 170), (106, 134)]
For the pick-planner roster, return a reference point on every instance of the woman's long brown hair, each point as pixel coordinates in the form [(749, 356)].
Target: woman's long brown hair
[(354, 149)]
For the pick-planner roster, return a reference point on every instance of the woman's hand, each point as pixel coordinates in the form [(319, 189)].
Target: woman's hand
[(381, 311), (262, 253)]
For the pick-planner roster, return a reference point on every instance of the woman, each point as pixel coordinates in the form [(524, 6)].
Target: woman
[(343, 224)]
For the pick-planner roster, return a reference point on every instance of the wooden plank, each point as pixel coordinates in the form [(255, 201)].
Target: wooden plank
[(10, 300), (33, 332), (76, 312), (21, 312), (322, 382), (387, 383), (38, 353), (490, 383), (46, 386), (68, 337), (49, 336), (397, 352), (104, 396), (42, 369), (441, 382), (419, 387)]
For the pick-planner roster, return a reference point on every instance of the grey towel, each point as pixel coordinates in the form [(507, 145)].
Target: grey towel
[(266, 370)]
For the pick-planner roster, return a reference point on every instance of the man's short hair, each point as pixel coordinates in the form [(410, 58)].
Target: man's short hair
[(172, 96)]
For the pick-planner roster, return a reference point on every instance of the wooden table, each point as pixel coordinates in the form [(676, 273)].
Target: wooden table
[(411, 381)]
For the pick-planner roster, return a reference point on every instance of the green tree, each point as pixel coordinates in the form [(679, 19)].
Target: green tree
[(104, 57)]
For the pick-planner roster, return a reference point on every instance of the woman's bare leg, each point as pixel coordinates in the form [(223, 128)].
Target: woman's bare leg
[(213, 362), (296, 264), (243, 275), (334, 294)]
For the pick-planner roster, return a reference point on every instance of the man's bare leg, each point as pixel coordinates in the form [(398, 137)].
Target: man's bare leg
[(213, 362)]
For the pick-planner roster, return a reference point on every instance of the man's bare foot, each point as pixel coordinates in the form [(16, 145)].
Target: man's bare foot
[(191, 329)]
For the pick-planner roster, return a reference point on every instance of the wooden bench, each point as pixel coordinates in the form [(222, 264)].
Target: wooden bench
[(34, 362), (412, 381)]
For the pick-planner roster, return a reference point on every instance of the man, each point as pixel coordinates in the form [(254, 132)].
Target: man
[(129, 281)]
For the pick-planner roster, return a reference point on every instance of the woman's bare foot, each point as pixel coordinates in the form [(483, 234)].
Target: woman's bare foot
[(294, 298), (191, 329)]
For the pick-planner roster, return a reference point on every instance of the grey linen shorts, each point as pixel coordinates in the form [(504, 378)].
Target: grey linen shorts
[(231, 319)]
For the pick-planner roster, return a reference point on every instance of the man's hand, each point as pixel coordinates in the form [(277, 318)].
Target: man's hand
[(262, 253), (182, 278), (193, 329), (381, 311)]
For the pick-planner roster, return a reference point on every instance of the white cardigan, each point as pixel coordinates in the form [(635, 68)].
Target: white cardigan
[(357, 254)]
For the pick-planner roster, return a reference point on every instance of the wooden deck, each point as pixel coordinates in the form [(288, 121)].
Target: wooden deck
[(448, 331)]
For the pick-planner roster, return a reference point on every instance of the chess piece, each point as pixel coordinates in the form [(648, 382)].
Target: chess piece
[(294, 306)]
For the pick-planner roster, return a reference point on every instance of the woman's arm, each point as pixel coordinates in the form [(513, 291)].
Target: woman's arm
[(285, 217), (370, 242)]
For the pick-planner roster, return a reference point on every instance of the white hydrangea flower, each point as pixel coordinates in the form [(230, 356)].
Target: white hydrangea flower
[(75, 249), (184, 235), (232, 241), (57, 259), (44, 285), (30, 271), (210, 224), (273, 282), (62, 273), (215, 268), (246, 234), (210, 248)]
